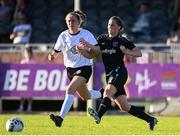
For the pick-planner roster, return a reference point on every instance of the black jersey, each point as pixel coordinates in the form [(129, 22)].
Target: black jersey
[(110, 48)]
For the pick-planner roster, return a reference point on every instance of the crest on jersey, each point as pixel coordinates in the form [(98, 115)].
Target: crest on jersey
[(115, 44), (73, 50)]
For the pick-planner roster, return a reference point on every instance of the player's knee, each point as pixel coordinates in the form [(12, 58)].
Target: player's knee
[(125, 108), (107, 93), (85, 98), (70, 90)]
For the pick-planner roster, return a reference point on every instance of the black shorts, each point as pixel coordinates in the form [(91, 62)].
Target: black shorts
[(118, 77), (84, 71)]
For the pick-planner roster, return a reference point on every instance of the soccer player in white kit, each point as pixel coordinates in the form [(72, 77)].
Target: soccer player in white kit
[(79, 68)]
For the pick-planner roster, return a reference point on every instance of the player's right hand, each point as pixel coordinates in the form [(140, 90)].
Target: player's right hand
[(50, 57)]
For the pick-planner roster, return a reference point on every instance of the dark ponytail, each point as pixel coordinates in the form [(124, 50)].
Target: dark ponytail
[(118, 21)]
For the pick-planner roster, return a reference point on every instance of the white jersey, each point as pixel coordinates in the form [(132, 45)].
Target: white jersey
[(67, 42)]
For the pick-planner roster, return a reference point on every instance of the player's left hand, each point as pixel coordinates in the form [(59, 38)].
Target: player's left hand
[(50, 57), (123, 49)]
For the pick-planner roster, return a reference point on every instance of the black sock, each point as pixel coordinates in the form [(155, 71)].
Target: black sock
[(135, 111), (104, 106)]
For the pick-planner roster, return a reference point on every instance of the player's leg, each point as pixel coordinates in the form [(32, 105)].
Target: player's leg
[(117, 78), (86, 94), (68, 101), (121, 101), (78, 83), (109, 91), (83, 74)]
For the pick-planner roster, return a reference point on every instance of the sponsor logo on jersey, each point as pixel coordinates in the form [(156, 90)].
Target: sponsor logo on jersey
[(109, 51)]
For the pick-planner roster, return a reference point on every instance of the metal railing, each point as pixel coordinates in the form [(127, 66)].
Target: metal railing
[(154, 53)]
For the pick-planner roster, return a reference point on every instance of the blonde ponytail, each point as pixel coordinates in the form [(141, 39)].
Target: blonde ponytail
[(82, 16)]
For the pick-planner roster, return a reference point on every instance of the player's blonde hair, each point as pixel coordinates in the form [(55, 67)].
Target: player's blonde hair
[(82, 18)]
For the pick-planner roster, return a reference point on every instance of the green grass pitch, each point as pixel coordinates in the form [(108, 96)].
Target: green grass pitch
[(38, 124)]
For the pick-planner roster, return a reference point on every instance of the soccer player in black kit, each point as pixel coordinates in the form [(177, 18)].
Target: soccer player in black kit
[(113, 47)]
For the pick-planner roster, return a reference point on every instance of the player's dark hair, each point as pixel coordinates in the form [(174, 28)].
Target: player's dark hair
[(118, 21), (80, 16)]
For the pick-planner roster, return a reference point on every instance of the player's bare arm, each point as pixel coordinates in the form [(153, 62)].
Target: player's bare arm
[(91, 50), (135, 52), (53, 55), (84, 51)]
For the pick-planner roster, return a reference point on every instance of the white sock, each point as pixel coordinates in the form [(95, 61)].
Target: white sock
[(95, 94), (68, 101)]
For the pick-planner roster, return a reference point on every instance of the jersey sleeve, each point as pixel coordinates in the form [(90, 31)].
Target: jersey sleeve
[(58, 45), (100, 38), (128, 44), (91, 39)]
